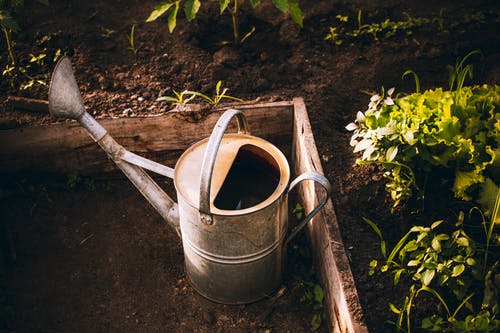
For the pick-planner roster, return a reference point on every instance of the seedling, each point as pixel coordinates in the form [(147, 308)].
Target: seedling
[(179, 98), (218, 97), (186, 96), (131, 40)]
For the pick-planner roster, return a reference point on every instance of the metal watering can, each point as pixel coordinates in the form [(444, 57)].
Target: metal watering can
[(232, 189)]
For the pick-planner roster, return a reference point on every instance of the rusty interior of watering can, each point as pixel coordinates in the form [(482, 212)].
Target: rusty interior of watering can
[(249, 174)]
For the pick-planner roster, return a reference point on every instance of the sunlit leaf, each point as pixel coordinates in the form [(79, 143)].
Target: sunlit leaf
[(191, 8), (434, 225), (391, 153), (428, 276), (351, 127), (281, 5), (412, 263), (457, 270), (223, 5), (436, 244), (394, 308), (296, 12), (159, 11), (172, 18), (463, 241)]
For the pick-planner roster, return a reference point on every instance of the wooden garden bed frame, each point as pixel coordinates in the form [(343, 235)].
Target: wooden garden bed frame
[(65, 148)]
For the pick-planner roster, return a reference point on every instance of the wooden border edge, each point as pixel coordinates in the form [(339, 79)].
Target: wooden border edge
[(341, 297)]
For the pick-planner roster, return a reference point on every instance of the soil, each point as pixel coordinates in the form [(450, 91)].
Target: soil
[(77, 271)]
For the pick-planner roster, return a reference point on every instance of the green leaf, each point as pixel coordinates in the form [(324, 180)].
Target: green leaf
[(318, 293), (172, 18), (397, 275), (462, 241), (413, 263), (457, 270), (191, 8), (471, 261), (394, 308), (428, 276), (391, 153), (316, 322), (281, 5), (436, 244), (43, 2), (436, 224), (223, 5), (159, 11), (296, 12), (375, 228)]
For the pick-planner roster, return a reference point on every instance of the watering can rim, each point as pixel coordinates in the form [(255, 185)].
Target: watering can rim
[(193, 200)]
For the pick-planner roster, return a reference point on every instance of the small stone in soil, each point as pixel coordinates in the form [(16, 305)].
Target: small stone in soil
[(127, 112)]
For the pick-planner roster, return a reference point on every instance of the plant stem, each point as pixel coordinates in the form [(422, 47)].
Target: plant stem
[(9, 45), (234, 17)]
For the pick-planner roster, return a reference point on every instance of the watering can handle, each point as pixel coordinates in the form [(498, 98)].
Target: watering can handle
[(328, 188), (207, 166)]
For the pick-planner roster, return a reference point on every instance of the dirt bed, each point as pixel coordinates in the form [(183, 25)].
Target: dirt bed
[(95, 257), (278, 62)]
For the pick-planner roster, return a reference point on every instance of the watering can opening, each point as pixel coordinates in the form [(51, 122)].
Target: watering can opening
[(249, 174), (253, 176)]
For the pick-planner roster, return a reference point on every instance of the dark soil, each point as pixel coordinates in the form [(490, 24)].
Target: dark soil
[(121, 286)]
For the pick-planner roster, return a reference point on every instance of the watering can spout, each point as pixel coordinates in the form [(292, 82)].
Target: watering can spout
[(65, 101)]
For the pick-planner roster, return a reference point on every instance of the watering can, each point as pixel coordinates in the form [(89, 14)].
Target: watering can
[(232, 191)]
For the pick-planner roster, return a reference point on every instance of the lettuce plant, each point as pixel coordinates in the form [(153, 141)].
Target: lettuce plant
[(456, 130)]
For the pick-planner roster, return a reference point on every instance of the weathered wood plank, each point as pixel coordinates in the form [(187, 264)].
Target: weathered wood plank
[(66, 147), (342, 302)]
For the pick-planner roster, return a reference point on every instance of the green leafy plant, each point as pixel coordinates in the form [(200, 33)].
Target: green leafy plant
[(457, 130), (191, 8), (413, 137), (442, 262)]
